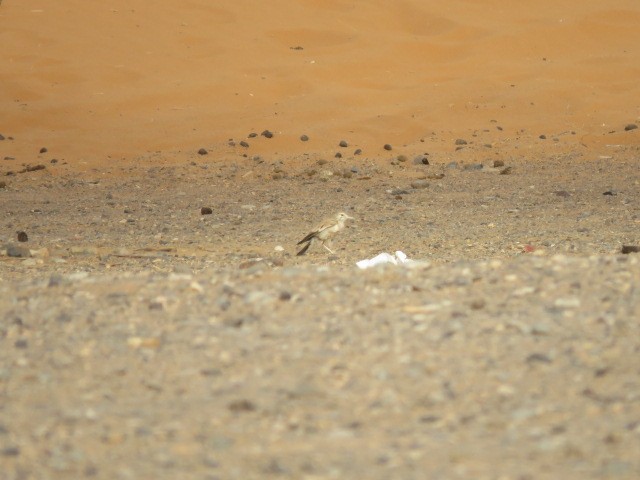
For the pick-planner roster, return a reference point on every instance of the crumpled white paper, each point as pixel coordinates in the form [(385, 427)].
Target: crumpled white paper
[(398, 259)]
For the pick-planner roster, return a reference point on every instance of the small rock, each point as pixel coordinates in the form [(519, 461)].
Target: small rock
[(10, 452), (538, 358), (53, 161), (1, 137), (610, 193), (562, 193), (421, 160), (343, 143), (402, 158), (304, 138), (267, 134), (252, 135), (202, 151), (338, 155), (43, 150), (452, 165), (3, 184), (387, 147), (322, 161), (542, 137), (206, 211), (18, 251), (435, 176), (22, 236), (419, 184), (241, 406), (631, 126), (357, 151), (473, 166), (460, 141), (244, 144), (498, 163), (505, 171), (627, 249)]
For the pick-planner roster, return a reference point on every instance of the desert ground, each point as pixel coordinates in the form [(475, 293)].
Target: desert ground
[(159, 162)]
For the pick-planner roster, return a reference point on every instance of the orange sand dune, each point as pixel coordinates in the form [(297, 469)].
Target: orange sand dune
[(94, 81)]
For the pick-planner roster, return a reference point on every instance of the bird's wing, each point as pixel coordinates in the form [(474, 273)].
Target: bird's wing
[(308, 237)]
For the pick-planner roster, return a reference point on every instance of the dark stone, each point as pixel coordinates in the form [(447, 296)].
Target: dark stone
[(338, 155), (343, 143), (473, 166), (244, 144), (421, 160), (54, 160), (10, 451), (542, 137), (267, 134), (631, 126), (418, 184), (43, 150), (498, 163), (387, 147), (285, 296), (304, 138), (22, 236), (538, 358), (206, 211), (1, 137), (231, 143), (562, 193), (252, 135), (202, 151), (241, 406), (3, 184), (358, 151), (609, 193), (460, 141), (21, 343), (505, 171), (627, 249)]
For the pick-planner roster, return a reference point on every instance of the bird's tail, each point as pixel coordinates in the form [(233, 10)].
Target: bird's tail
[(304, 249)]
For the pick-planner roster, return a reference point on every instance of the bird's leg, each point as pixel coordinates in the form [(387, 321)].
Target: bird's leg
[(331, 251)]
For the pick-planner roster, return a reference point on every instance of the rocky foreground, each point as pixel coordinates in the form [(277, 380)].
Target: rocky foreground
[(140, 338)]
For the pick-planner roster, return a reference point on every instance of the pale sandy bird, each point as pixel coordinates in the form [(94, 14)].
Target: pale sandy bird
[(324, 232)]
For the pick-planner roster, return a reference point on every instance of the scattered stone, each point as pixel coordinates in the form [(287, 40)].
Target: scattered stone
[(358, 151), (538, 358), (252, 135), (498, 163), (3, 184), (267, 134), (610, 193), (626, 249), (322, 161), (21, 343), (202, 151), (22, 236), (542, 137), (505, 171), (421, 160), (460, 141), (241, 406), (18, 251), (43, 150), (435, 176), (562, 193), (452, 165), (473, 166), (387, 147), (630, 126), (419, 184), (231, 143), (304, 138), (53, 161), (206, 211), (32, 168), (244, 144), (10, 451), (343, 143), (402, 158), (338, 155), (1, 137)]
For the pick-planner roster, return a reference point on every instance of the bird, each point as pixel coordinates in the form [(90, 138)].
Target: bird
[(324, 232)]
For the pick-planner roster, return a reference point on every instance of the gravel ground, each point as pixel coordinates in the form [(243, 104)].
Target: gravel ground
[(140, 338)]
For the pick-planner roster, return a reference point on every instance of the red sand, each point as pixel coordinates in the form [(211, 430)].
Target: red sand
[(94, 81)]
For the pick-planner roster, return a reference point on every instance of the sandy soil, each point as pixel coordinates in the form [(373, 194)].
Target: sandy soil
[(141, 338)]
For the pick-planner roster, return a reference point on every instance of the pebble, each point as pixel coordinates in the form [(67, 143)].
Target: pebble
[(206, 211), (542, 137), (387, 147), (3, 184), (473, 166), (267, 134), (252, 135), (343, 143), (460, 141), (1, 137), (304, 138), (22, 236), (43, 150), (630, 126), (498, 163), (626, 249), (358, 151), (419, 184), (338, 155), (244, 144), (18, 251), (202, 151), (421, 160)]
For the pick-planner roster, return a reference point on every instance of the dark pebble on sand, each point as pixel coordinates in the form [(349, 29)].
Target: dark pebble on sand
[(244, 144), (421, 160), (562, 193), (498, 163), (387, 147), (460, 141), (54, 160), (627, 249), (267, 134), (419, 184), (239, 406), (338, 155), (43, 150), (473, 166), (1, 137), (609, 193), (18, 252), (3, 184), (631, 126), (304, 138), (22, 236), (542, 137), (202, 151), (343, 143), (358, 151), (206, 211), (252, 135)]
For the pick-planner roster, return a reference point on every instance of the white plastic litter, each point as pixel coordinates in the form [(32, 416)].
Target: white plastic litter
[(398, 259)]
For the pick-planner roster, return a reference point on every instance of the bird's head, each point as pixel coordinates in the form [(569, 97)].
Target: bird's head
[(343, 217)]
